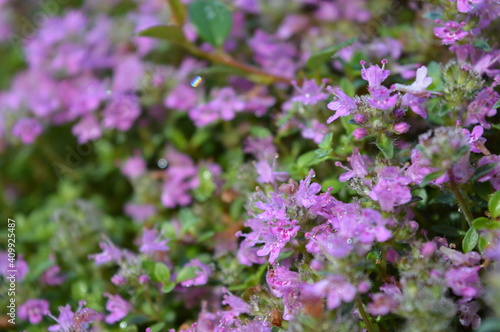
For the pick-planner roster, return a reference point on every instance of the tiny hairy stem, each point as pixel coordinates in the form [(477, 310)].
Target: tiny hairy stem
[(460, 199), (364, 315)]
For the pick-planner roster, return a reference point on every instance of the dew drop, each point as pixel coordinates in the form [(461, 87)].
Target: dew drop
[(349, 241), (123, 325), (207, 175), (196, 82), (162, 163), (308, 95), (421, 256)]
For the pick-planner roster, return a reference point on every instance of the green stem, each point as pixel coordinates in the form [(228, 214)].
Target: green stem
[(460, 199), (364, 315), (227, 60)]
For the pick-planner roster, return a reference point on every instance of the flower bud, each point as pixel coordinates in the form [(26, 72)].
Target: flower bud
[(360, 118), (360, 133), (401, 127)]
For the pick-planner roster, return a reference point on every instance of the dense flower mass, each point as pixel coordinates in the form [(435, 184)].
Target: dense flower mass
[(250, 165)]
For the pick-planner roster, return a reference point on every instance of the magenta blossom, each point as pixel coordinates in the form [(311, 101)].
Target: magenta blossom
[(450, 32), (33, 310), (392, 189), (27, 129), (202, 272), (118, 307)]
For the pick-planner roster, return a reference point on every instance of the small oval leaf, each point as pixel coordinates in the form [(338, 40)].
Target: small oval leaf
[(470, 240), (494, 205), (212, 20), (483, 223)]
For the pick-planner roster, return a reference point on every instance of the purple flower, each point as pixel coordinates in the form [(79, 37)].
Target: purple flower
[(181, 176), (64, 321), (140, 212), (110, 253), (69, 321), (88, 129), (464, 281), (482, 107), (464, 6), (392, 189), (310, 93), (202, 272), (183, 97), (342, 104), (267, 174), (33, 310), (385, 302), (306, 193), (468, 314), (285, 284), (118, 307), (450, 32), (316, 131), (151, 242), (359, 164), (121, 112), (381, 98), (27, 129), (51, 277), (21, 267), (335, 288), (237, 304), (494, 175), (374, 75), (118, 280), (134, 167), (476, 141), (203, 115), (276, 238), (471, 258), (359, 225), (419, 167)]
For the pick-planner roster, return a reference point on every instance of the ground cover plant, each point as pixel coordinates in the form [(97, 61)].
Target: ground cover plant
[(247, 165)]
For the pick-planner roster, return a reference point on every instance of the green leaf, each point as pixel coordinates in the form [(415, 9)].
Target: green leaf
[(490, 325), (219, 70), (481, 244), (483, 170), (168, 287), (170, 33), (149, 266), (435, 72), (157, 327), (497, 104), (483, 223), (326, 143), (347, 87), (317, 59), (482, 44), (178, 11), (470, 240), (494, 205), (186, 273), (306, 159), (429, 177), (162, 273), (212, 20), (385, 145)]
